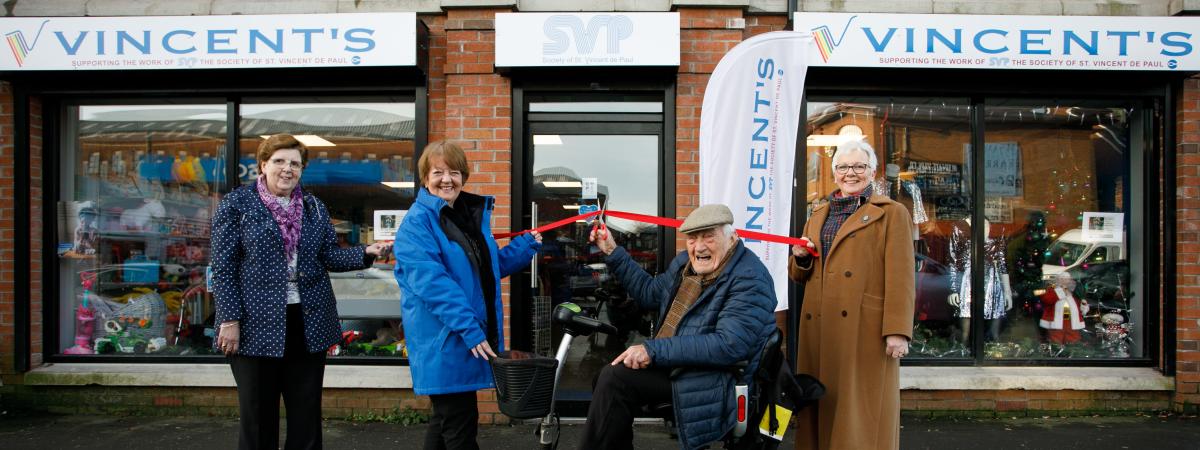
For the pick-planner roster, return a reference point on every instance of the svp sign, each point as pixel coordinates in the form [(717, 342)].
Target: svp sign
[(208, 42), (591, 39), (1003, 42)]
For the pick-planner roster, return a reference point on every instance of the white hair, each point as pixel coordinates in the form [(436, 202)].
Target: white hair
[(854, 144), (727, 230)]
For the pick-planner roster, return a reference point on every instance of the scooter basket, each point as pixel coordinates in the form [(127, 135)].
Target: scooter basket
[(524, 383)]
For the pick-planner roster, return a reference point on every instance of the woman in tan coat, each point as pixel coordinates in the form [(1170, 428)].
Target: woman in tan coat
[(856, 319)]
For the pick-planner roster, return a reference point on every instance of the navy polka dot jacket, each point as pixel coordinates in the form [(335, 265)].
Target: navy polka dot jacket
[(249, 277)]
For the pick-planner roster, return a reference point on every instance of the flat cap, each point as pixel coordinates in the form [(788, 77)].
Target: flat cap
[(705, 217)]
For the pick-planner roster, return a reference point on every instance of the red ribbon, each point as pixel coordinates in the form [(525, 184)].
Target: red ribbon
[(662, 221)]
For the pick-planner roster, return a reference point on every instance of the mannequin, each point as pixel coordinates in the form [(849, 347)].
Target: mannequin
[(899, 185), (1062, 312), (997, 291)]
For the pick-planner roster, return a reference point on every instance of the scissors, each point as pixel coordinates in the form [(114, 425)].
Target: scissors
[(600, 219)]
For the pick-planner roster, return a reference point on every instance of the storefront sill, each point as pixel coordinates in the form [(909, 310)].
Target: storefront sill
[(203, 375), (1035, 378)]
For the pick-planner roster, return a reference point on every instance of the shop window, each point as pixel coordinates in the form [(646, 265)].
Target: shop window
[(1055, 176), (1055, 267), (361, 166), (138, 185), (921, 164)]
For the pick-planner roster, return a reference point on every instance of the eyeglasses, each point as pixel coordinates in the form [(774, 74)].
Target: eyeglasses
[(281, 163), (858, 169)]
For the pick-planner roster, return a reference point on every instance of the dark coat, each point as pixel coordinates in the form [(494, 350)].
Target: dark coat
[(855, 296), (729, 323), (249, 278), (441, 295)]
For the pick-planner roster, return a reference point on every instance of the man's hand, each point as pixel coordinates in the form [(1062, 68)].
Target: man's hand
[(603, 239), (634, 357), (897, 346)]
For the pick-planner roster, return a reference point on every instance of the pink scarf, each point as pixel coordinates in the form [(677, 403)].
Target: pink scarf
[(289, 220)]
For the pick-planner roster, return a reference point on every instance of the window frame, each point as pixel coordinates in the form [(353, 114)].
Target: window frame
[(1148, 126), (56, 104)]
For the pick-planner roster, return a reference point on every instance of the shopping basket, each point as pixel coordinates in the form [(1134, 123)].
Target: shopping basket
[(524, 383)]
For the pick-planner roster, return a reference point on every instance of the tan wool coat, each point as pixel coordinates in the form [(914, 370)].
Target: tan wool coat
[(854, 296)]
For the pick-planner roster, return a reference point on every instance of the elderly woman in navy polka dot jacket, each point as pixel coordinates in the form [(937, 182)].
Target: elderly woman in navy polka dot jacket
[(272, 248)]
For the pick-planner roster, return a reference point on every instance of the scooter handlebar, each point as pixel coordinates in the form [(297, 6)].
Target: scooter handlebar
[(571, 317)]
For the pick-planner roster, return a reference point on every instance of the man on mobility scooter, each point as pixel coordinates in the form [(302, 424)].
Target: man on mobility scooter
[(716, 302)]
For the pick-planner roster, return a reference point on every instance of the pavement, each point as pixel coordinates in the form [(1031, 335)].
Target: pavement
[(43, 431)]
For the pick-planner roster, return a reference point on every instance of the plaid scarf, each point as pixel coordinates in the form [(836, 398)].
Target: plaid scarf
[(690, 288), (289, 219), (840, 208)]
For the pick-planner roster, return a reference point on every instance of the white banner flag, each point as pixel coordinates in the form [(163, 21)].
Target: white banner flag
[(748, 126)]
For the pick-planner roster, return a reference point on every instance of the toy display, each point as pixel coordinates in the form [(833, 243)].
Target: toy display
[(1114, 334), (85, 320)]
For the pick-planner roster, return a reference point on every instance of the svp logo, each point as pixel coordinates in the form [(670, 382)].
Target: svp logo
[(616, 29), (20, 46), (824, 39)]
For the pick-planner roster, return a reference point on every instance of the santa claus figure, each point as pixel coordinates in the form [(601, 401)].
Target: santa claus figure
[(1062, 313)]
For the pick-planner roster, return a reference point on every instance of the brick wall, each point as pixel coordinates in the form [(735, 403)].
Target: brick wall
[(177, 401), (7, 234), (703, 40), (8, 221), (1187, 301), (36, 319), (1022, 403), (477, 113)]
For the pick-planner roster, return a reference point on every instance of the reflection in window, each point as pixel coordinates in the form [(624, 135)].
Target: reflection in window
[(360, 164), (139, 184), (919, 146), (1055, 182)]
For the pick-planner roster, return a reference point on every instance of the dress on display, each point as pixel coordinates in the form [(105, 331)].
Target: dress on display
[(995, 268)]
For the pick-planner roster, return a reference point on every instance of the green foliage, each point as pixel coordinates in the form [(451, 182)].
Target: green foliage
[(405, 417)]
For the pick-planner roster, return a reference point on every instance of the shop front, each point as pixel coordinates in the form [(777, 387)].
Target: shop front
[(146, 122), (1033, 156), (1047, 162)]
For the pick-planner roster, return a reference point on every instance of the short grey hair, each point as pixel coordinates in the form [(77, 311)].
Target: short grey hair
[(726, 230), (855, 144)]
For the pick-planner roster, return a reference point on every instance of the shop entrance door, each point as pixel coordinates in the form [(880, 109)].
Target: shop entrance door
[(568, 146)]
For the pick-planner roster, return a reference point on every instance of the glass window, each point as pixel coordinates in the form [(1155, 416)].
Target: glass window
[(139, 184), (570, 269), (919, 146), (360, 164), (1057, 278)]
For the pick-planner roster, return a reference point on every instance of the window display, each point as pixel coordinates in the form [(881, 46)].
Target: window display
[(1062, 175), (919, 148), (1056, 278), (360, 165), (139, 184)]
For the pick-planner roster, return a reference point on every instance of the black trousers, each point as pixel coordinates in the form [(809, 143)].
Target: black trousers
[(297, 377), (619, 394), (455, 422)]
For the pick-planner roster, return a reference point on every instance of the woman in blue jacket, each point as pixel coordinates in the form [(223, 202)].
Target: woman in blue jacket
[(272, 248), (449, 270)]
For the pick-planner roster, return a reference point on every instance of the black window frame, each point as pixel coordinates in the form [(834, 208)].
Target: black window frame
[(60, 90), (1152, 160)]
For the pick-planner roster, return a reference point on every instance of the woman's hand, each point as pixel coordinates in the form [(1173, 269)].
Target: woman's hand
[(483, 350), (897, 346), (377, 249), (802, 253), (228, 335), (536, 236)]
